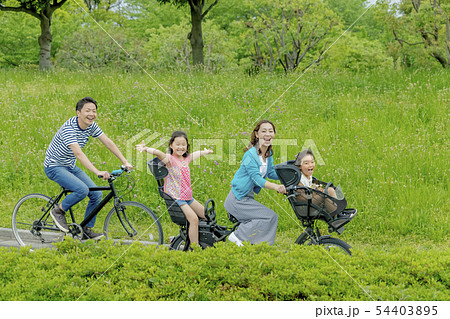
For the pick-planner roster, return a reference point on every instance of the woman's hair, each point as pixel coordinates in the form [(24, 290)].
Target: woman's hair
[(254, 140), (301, 155), (84, 101), (179, 134)]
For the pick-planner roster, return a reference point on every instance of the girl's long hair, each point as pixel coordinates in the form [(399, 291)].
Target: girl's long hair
[(179, 134), (254, 140)]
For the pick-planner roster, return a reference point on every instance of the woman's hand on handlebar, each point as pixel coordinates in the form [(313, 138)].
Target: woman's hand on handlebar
[(280, 189)]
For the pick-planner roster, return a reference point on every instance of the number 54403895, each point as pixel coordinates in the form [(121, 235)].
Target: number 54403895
[(407, 310)]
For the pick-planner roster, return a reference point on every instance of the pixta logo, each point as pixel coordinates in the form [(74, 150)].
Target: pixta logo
[(225, 150)]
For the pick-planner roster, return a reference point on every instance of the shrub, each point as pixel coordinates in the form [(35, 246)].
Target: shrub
[(357, 54), (105, 271), (93, 49)]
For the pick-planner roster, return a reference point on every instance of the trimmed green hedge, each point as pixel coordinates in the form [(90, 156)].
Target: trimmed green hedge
[(104, 271)]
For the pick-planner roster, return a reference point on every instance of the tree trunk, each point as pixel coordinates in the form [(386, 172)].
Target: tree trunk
[(45, 42), (447, 43), (196, 34)]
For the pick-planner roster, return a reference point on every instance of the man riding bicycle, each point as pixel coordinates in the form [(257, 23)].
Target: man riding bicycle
[(60, 164)]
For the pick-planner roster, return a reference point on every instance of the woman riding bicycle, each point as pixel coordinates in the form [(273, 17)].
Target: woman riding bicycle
[(258, 222)]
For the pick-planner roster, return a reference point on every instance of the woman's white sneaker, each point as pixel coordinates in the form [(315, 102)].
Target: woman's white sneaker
[(233, 238)]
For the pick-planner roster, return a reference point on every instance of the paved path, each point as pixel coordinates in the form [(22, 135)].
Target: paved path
[(7, 238)]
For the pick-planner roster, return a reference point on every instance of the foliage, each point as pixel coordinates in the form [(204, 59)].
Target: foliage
[(169, 48), (253, 35), (145, 15), (107, 11), (91, 49), (227, 12), (42, 10), (106, 272), (348, 10), (421, 32), (18, 40), (285, 33), (360, 55)]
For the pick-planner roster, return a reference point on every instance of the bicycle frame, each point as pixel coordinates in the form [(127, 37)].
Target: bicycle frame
[(112, 194)]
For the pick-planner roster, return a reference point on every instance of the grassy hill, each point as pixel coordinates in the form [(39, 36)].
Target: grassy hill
[(382, 136)]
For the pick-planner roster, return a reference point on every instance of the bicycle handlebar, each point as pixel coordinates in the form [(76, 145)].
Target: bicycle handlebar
[(210, 212), (295, 187), (117, 172)]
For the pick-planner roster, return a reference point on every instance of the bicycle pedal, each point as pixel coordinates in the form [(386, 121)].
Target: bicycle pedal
[(340, 230)]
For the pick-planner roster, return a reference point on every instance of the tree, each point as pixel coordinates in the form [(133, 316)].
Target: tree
[(357, 54), (18, 40), (42, 10), (287, 32), (145, 15), (196, 35), (92, 4), (432, 32), (106, 10), (424, 25)]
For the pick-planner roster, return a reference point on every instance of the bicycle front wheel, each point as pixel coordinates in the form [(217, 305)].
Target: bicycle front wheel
[(304, 236), (32, 224), (131, 222)]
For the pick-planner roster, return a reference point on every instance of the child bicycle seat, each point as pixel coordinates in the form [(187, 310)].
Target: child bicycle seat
[(312, 204), (209, 231), (160, 171)]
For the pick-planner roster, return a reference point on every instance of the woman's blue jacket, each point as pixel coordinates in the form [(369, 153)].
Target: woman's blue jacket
[(248, 176)]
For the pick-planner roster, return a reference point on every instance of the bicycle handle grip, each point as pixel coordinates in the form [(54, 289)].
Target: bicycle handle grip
[(117, 172)]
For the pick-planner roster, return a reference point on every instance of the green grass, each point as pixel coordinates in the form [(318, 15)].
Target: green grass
[(383, 137)]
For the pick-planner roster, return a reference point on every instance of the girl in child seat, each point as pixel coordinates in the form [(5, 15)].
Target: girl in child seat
[(178, 182), (306, 163)]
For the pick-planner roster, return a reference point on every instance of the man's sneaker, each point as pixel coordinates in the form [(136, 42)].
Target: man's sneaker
[(89, 234), (59, 217)]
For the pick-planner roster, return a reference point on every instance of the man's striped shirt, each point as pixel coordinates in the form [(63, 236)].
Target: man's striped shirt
[(59, 152)]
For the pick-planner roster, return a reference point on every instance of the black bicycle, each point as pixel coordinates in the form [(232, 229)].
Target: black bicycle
[(127, 221)]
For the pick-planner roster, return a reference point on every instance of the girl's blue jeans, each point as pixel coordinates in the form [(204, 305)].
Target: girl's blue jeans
[(78, 182)]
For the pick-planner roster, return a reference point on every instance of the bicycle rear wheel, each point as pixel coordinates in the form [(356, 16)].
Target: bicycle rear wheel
[(32, 224), (132, 222), (179, 243), (330, 243)]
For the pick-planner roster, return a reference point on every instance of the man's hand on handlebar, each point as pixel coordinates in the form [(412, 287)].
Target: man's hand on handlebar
[(104, 175), (128, 166)]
